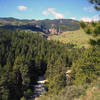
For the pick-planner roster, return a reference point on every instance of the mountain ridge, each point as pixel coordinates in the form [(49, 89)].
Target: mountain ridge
[(48, 26)]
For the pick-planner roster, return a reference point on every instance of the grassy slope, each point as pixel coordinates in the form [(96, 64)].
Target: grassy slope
[(92, 93), (88, 92), (78, 37)]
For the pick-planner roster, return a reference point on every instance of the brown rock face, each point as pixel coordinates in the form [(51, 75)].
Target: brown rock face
[(53, 31)]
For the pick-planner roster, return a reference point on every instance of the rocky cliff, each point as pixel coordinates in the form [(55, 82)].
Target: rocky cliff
[(56, 26)]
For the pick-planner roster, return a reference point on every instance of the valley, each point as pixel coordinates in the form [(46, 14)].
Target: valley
[(34, 59), (49, 49)]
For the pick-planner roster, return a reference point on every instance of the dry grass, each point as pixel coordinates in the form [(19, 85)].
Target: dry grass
[(78, 37)]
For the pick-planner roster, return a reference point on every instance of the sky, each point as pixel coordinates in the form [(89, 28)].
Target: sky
[(48, 9)]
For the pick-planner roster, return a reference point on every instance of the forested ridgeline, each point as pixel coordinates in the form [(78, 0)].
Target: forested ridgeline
[(26, 55)]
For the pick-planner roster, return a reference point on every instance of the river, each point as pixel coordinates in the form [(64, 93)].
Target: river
[(39, 88)]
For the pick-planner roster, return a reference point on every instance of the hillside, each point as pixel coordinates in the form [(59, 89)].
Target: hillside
[(78, 37), (86, 92), (25, 56), (56, 26)]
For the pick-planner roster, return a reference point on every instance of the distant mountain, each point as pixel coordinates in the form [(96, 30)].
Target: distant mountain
[(56, 26)]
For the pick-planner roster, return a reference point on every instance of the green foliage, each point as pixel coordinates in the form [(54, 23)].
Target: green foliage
[(89, 92), (92, 42), (96, 4), (27, 93), (98, 41), (82, 24), (86, 69), (55, 75), (23, 98), (92, 28), (56, 84), (78, 39), (24, 56), (68, 93), (93, 23), (97, 30), (88, 30)]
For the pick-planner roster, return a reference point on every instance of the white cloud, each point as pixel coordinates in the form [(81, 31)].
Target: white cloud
[(53, 12), (22, 8), (87, 19), (73, 18), (89, 9)]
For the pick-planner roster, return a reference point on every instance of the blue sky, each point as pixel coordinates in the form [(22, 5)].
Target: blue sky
[(48, 9)]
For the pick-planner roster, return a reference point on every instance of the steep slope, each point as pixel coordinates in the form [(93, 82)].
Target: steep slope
[(47, 26), (87, 92)]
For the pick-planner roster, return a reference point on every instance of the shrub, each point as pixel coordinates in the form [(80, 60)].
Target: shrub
[(46, 86), (23, 98), (92, 42), (98, 42), (93, 24), (88, 30), (27, 93), (82, 24), (97, 30)]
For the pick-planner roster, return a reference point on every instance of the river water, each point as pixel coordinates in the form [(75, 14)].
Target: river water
[(39, 88)]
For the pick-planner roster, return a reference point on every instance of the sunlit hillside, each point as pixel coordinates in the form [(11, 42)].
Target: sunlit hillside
[(78, 37), (86, 92)]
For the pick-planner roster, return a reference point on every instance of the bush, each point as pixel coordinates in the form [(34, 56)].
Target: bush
[(69, 93), (97, 30), (98, 42), (82, 24), (23, 98), (28, 93), (93, 24), (46, 86), (92, 42), (88, 30)]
